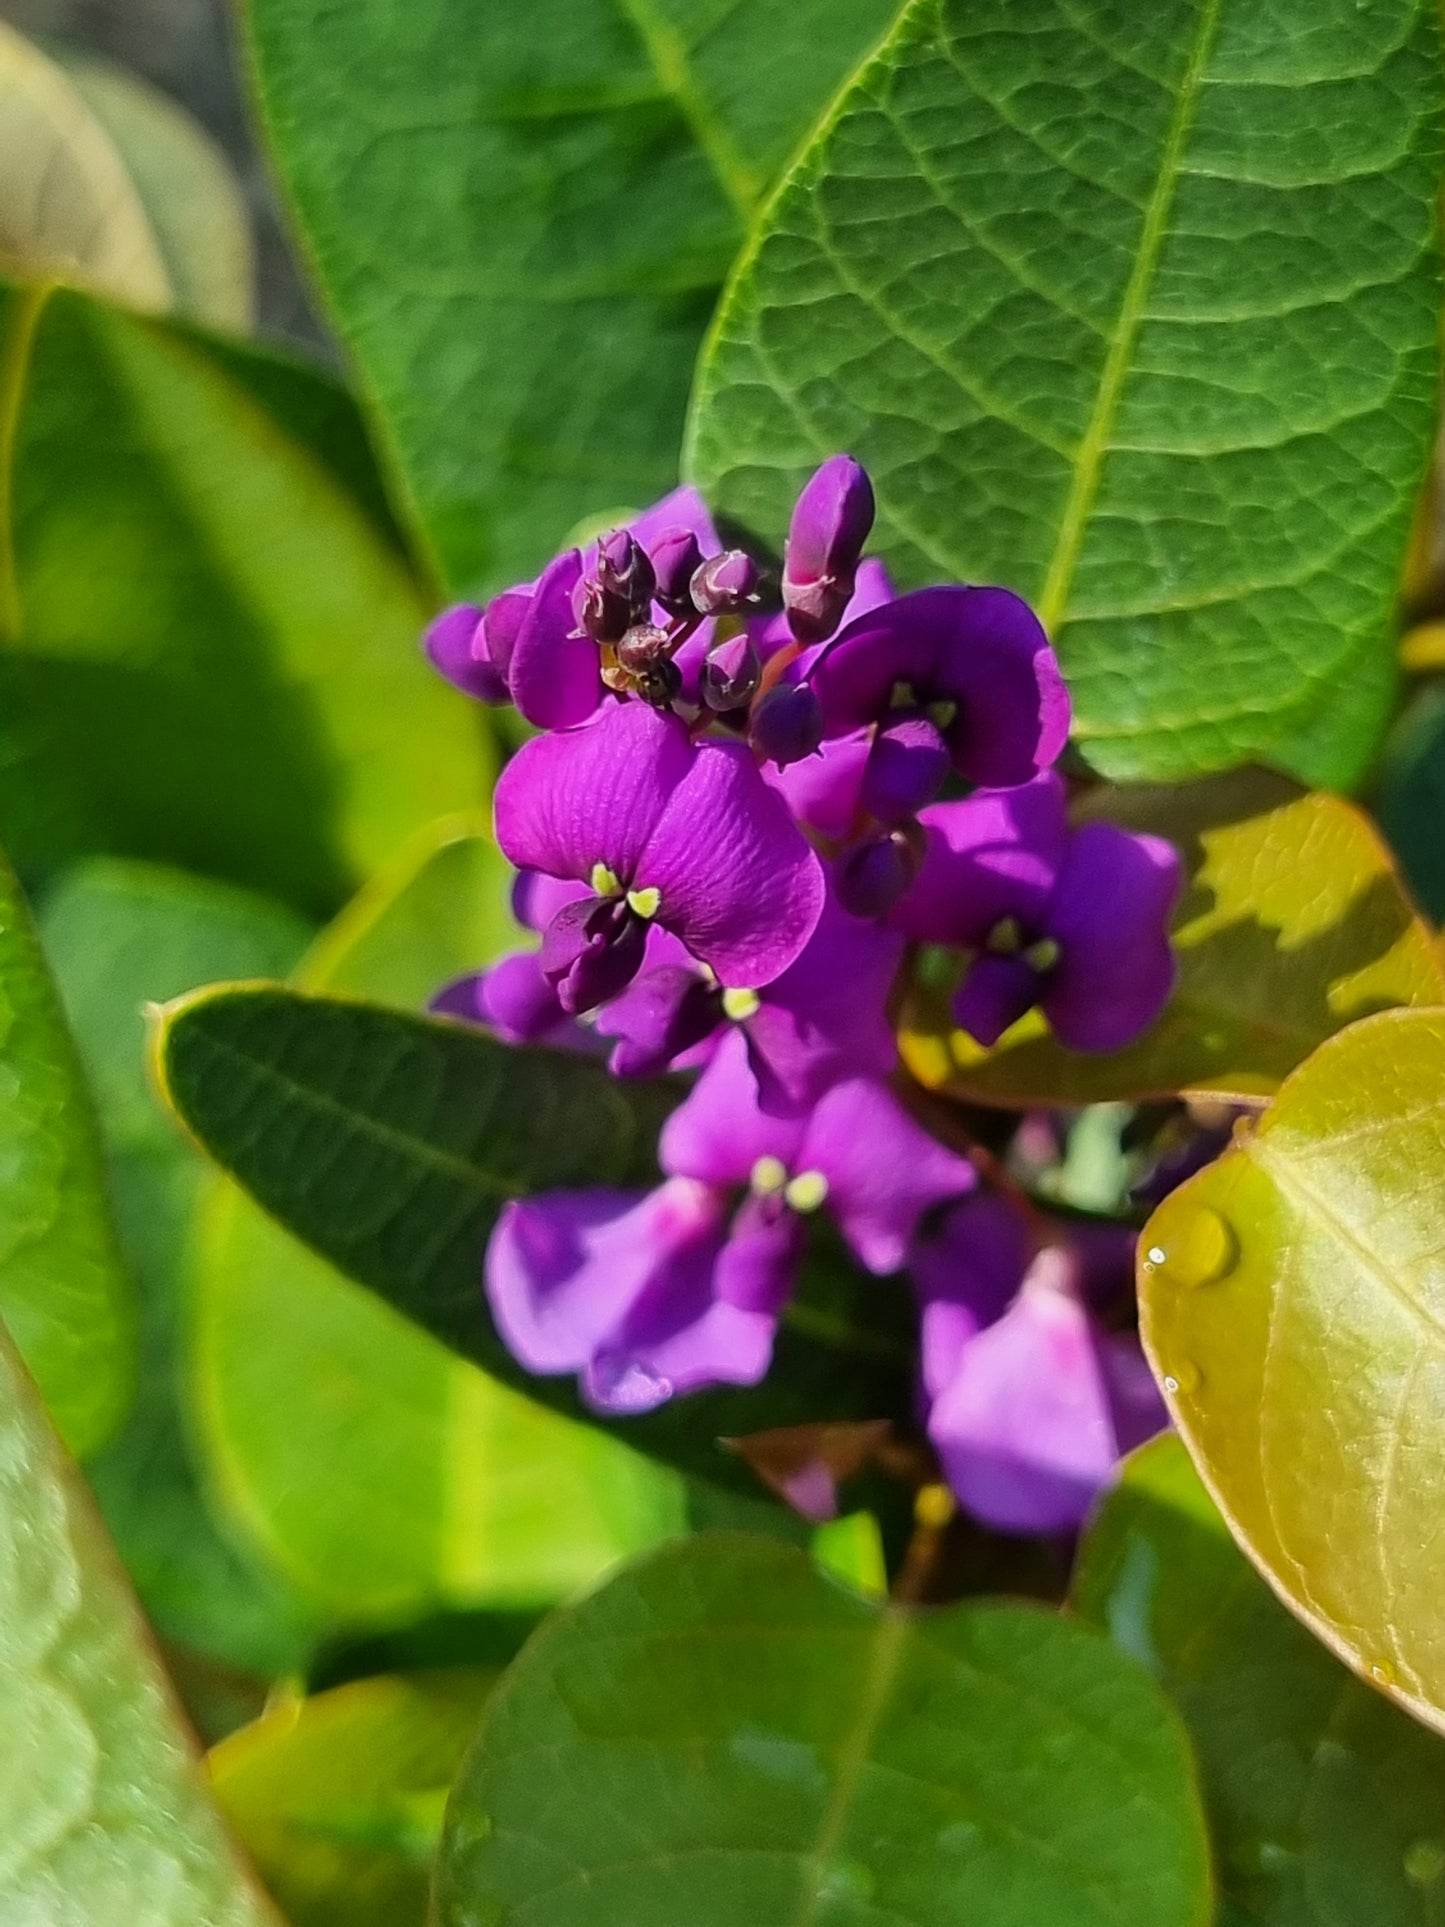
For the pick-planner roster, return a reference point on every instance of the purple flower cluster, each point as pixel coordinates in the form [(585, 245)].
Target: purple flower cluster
[(735, 821)]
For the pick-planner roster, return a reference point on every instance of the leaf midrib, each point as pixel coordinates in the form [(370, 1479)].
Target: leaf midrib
[(739, 182), (15, 355)]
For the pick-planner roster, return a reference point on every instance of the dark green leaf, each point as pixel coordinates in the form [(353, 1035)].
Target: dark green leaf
[(1326, 1803), (389, 1143), (1134, 311), (521, 221), (722, 1736), (1411, 797)]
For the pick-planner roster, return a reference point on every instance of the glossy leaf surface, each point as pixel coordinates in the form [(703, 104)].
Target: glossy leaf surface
[(724, 1736), (386, 1476), (1291, 1304), (1326, 1803), (521, 223), (389, 1143), (64, 1292), (338, 1799), (1135, 313), (104, 1815), (1292, 924)]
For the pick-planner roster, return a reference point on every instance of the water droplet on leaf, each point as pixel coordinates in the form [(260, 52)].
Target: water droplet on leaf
[(1203, 1250), (1185, 1377), (1425, 1862), (845, 1880)]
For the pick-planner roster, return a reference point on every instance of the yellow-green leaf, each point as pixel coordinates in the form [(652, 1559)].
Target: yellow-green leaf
[(1292, 1300), (1293, 923)]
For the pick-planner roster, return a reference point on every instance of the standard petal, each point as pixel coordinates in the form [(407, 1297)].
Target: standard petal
[(1110, 917), (684, 508), (556, 676), (995, 662), (966, 1272), (451, 643), (536, 898), (855, 674), (719, 1131), (824, 790), (571, 800), (882, 1169), (736, 880), (996, 854)]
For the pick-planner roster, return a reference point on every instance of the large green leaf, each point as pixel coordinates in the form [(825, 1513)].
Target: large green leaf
[(521, 221), (1292, 924), (1135, 311), (212, 650), (1326, 1803), (338, 1798), (64, 1293), (1292, 1300), (103, 1813), (389, 1143), (119, 936), (725, 1737), (386, 1476)]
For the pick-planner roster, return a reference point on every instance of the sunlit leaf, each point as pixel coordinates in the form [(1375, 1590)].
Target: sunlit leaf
[(1292, 924), (1292, 1300), (722, 1736), (1326, 1803), (103, 1812), (1135, 311)]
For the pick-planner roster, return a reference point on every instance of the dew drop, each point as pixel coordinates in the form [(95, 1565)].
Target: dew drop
[(1425, 1862), (1185, 1377), (1203, 1250), (845, 1880)]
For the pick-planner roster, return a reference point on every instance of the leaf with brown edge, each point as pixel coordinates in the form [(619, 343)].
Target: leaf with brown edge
[(1292, 923), (1292, 1300)]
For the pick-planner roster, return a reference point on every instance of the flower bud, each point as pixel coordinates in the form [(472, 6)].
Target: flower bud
[(456, 645), (676, 558), (617, 591), (830, 524), (660, 684), (787, 724), (871, 877), (642, 647), (725, 583), (729, 677)]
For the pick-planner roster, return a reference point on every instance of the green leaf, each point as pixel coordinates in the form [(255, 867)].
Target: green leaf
[(191, 599), (521, 223), (338, 1799), (1326, 1803), (119, 936), (1290, 1301), (64, 1293), (723, 1736), (1138, 315), (1411, 797), (1292, 924), (103, 1812), (389, 1143), (383, 1474)]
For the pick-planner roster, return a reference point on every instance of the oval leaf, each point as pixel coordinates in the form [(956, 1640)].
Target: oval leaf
[(64, 1293), (1326, 1803), (389, 1144), (1292, 924), (103, 1811), (723, 1736), (1292, 1301), (1138, 319)]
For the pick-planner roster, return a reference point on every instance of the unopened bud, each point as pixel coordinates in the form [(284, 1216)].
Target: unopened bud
[(831, 521), (725, 583), (729, 677), (787, 724), (643, 646), (871, 877), (676, 558), (624, 569), (660, 684)]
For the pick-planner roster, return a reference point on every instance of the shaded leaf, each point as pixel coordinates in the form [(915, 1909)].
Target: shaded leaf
[(338, 1798), (1410, 797), (1136, 314), (1326, 1803), (1292, 924), (521, 225), (1291, 1303), (723, 1736), (389, 1143), (104, 1815), (64, 1293)]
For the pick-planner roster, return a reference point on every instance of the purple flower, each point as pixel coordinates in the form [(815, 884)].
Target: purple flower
[(949, 676), (1075, 922), (663, 831), (830, 524), (473, 647)]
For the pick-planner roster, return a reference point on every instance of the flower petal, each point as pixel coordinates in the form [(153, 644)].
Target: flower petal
[(663, 1013), (1110, 916), (556, 676), (883, 1170), (719, 1131), (995, 993), (580, 797), (684, 508), (824, 790), (996, 854), (966, 1272), (451, 644), (737, 881)]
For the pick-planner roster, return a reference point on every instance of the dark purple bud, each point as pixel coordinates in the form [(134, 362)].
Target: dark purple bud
[(666, 1012), (871, 877), (787, 724), (642, 648), (451, 643), (623, 569), (676, 558), (905, 768), (831, 521), (725, 583), (729, 676), (591, 950)]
